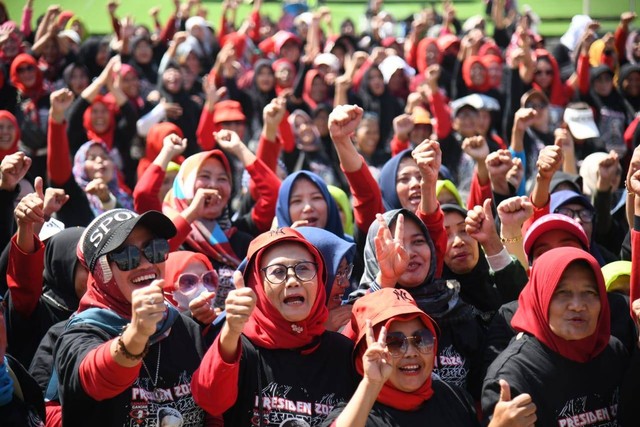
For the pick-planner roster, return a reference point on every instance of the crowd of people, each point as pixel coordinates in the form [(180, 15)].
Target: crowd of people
[(414, 220)]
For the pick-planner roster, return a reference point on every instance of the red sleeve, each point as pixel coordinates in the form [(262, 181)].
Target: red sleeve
[(583, 74), (609, 61), (53, 414), (478, 193), (254, 31), (24, 276), (213, 375), (267, 185), (635, 266), (222, 31), (204, 133), (286, 134), (537, 213), (183, 229), (357, 77), (268, 152), (367, 199), (441, 113), (59, 157), (145, 193), (412, 55), (435, 225), (169, 29), (102, 377), (620, 39), (397, 145)]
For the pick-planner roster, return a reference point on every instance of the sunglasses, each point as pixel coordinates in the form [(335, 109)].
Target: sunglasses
[(188, 282), (25, 69), (544, 72), (128, 258), (304, 271), (398, 343)]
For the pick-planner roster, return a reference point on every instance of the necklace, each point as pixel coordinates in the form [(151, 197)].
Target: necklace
[(154, 382)]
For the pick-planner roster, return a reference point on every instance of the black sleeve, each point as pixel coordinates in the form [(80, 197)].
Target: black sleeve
[(42, 363), (298, 87), (516, 88), (629, 392), (458, 87), (76, 134), (510, 281), (499, 335), (7, 224)]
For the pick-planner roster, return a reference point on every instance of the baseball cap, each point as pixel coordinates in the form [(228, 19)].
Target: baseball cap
[(328, 59), (382, 305), (393, 63), (228, 111), (563, 197), (532, 94), (476, 101), (421, 116), (451, 207), (108, 231), (580, 120), (551, 222)]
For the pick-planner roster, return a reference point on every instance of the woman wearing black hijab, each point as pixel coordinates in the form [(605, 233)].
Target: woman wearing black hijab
[(94, 54), (37, 300)]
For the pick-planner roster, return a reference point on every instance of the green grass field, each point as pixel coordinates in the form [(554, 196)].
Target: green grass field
[(94, 13)]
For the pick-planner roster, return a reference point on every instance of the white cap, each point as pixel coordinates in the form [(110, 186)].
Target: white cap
[(581, 123), (70, 34), (393, 63), (328, 59), (50, 228)]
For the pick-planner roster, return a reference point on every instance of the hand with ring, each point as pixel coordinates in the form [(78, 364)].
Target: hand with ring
[(147, 308)]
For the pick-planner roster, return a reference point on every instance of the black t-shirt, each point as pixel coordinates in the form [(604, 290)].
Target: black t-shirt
[(143, 404), (566, 393), (296, 387), (449, 406)]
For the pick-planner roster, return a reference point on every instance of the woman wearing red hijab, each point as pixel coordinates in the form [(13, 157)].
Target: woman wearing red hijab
[(9, 134), (32, 110), (397, 388), (273, 358), (564, 358)]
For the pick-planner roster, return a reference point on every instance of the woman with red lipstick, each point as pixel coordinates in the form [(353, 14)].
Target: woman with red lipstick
[(564, 356), (274, 359), (126, 356), (397, 388)]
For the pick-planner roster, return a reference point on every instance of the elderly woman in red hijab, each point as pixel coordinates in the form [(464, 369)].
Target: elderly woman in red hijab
[(32, 109), (94, 118), (397, 387), (564, 341), (273, 358)]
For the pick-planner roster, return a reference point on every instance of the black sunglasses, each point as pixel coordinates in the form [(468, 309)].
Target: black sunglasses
[(398, 343), (128, 258)]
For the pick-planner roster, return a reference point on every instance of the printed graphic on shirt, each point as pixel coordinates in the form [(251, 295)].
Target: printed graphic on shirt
[(450, 366), (580, 412), (225, 285), (612, 130), (164, 407), (281, 408)]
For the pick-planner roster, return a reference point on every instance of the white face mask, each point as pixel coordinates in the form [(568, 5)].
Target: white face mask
[(183, 299)]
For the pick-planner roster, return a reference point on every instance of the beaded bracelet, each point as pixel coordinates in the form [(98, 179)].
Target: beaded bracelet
[(126, 353), (511, 239)]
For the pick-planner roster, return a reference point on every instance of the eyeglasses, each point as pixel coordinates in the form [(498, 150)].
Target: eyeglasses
[(398, 343), (188, 282), (25, 68), (128, 258), (586, 215), (536, 105), (544, 72), (344, 274), (304, 271)]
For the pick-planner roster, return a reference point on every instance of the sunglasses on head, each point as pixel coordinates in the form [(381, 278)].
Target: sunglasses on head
[(128, 258), (398, 343), (188, 282)]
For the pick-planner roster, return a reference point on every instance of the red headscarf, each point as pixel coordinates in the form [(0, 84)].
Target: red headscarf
[(422, 53), (266, 326), (489, 60), (4, 114), (466, 74), (176, 263), (308, 83), (556, 94), (156, 135), (107, 135), (532, 315), (37, 90), (384, 307), (282, 62)]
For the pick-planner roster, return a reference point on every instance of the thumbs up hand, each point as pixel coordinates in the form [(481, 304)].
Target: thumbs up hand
[(239, 305), (517, 412), (30, 210)]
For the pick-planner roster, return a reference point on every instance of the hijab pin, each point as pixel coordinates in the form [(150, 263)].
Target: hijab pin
[(296, 328)]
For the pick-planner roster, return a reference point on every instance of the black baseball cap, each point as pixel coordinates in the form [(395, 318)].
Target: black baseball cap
[(109, 230)]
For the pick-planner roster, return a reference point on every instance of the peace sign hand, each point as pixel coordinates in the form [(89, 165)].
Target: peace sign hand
[(393, 258), (376, 360)]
